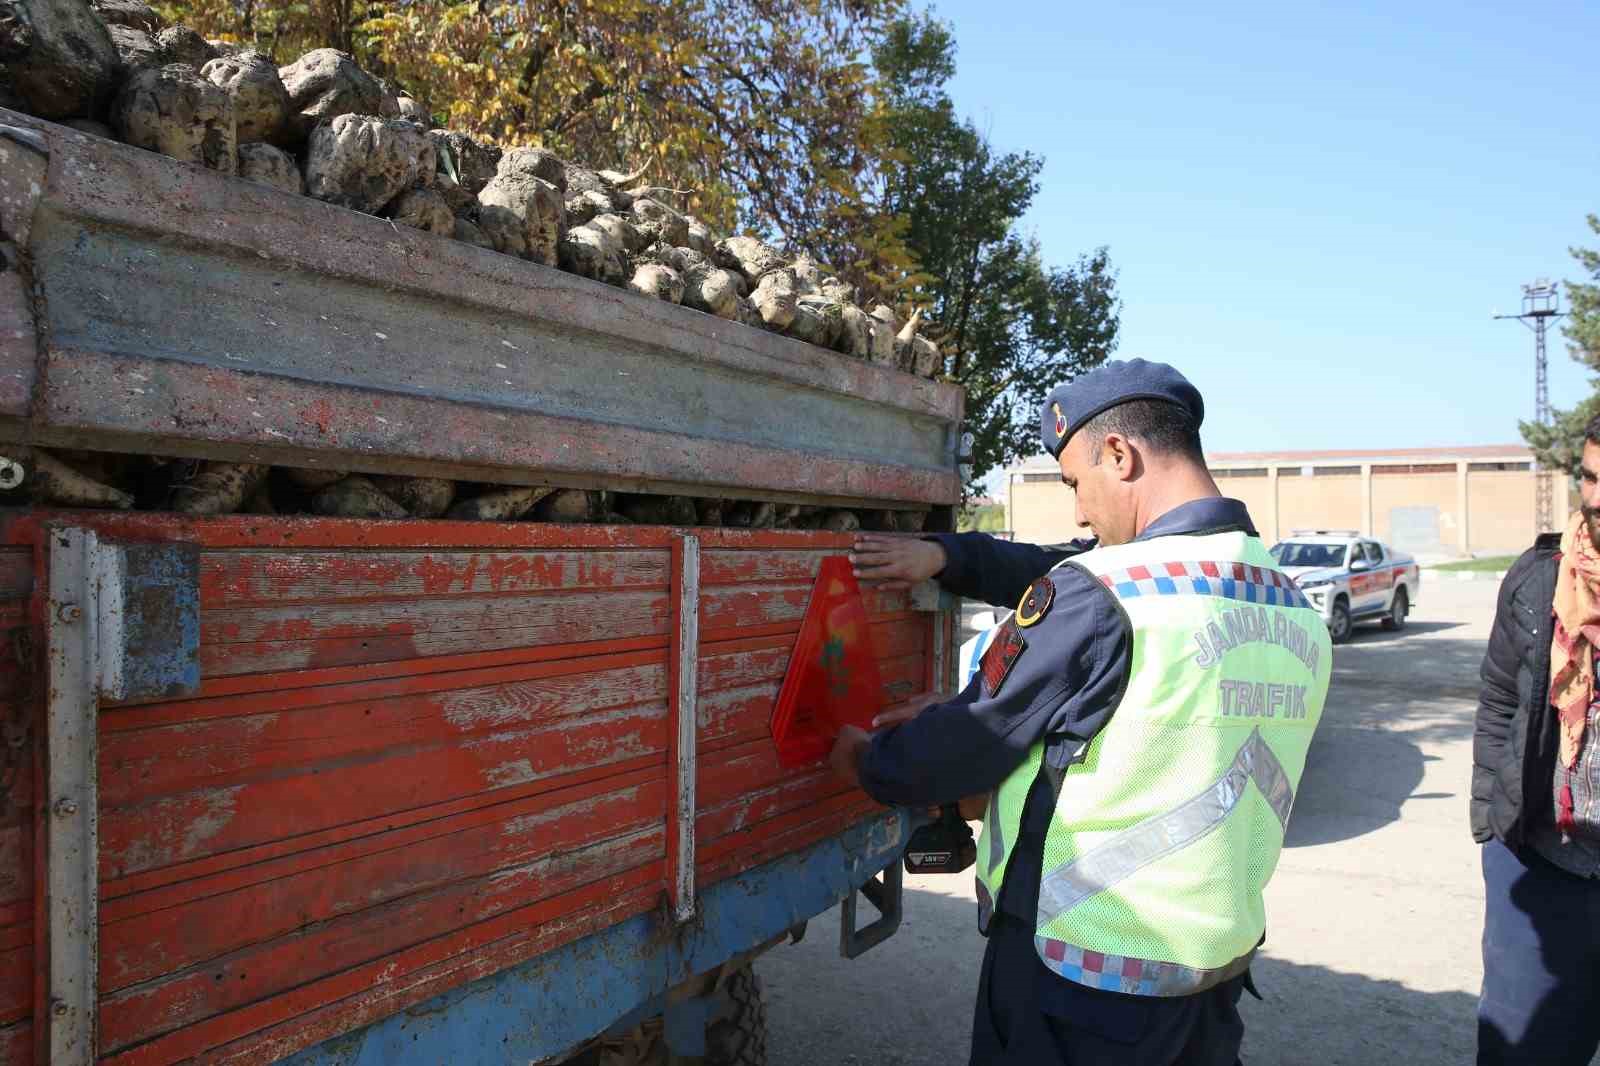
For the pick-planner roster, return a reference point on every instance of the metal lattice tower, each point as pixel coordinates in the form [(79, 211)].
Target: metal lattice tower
[(1540, 304)]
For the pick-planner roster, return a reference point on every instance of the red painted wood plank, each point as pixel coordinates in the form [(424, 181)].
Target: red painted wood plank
[(776, 837), (16, 659), (172, 939), (559, 613), (239, 578), (16, 573), (119, 904), (245, 866), (472, 671), (731, 772), (22, 528), (538, 918), (775, 539), (16, 983), (774, 847), (747, 710), (889, 640), (16, 1044), (22, 787), (257, 639), (732, 606), (710, 636), (16, 865), (730, 566), (146, 763), (755, 806), (16, 936), (386, 998), (271, 687), (319, 797)]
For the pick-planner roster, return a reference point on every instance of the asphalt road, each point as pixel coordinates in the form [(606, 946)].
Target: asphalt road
[(1374, 914)]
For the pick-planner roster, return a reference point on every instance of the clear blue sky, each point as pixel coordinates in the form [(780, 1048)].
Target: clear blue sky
[(1313, 207)]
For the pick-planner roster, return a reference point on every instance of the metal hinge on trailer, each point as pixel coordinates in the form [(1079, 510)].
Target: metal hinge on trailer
[(122, 622), (888, 897)]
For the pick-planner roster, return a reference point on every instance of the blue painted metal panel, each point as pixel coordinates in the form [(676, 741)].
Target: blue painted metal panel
[(150, 632), (615, 978)]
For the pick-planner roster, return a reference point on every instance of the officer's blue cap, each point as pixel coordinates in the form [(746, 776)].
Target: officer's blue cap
[(1069, 406)]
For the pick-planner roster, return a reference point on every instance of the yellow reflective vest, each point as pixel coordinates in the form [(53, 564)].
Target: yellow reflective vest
[(1168, 825)]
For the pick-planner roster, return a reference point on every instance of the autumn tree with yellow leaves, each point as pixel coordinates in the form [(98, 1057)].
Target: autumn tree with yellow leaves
[(760, 113)]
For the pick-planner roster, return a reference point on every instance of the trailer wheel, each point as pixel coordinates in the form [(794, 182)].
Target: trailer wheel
[(737, 1035)]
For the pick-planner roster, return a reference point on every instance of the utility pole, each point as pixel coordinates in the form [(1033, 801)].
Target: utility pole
[(1540, 304)]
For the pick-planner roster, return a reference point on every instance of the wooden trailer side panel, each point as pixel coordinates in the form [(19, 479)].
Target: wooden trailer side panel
[(17, 704), (420, 753), (252, 325)]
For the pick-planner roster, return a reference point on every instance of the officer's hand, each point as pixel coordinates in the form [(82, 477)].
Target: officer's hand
[(973, 808), (845, 757), (896, 562), (904, 712)]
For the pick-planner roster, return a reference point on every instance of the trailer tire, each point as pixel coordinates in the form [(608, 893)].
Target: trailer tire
[(737, 1035)]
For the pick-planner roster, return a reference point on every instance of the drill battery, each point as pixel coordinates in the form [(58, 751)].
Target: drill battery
[(943, 846)]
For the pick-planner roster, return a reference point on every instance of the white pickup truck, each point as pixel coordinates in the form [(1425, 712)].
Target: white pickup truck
[(1347, 577), (1350, 578)]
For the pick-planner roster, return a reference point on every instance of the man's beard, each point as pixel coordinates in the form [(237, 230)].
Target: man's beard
[(1591, 521)]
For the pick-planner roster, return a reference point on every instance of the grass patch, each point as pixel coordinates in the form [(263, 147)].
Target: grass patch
[(1491, 564)]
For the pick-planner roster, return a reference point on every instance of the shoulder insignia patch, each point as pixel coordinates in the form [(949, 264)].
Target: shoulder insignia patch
[(1003, 653), (1036, 602)]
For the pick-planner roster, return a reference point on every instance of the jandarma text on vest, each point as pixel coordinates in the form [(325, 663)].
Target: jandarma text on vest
[(1255, 625), (1261, 699)]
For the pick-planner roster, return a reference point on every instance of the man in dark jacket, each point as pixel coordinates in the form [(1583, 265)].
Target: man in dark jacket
[(1536, 798), (1049, 713)]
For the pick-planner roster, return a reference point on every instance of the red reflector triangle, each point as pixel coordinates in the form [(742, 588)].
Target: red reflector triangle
[(833, 678)]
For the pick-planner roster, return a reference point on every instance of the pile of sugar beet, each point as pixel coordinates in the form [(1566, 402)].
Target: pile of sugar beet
[(323, 127)]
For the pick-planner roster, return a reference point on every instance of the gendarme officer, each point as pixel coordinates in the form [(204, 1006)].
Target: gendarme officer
[(1138, 727)]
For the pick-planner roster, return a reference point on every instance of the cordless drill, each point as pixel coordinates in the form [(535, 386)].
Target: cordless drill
[(943, 846)]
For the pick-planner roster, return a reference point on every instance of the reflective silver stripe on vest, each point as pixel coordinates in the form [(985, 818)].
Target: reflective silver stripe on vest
[(1134, 848)]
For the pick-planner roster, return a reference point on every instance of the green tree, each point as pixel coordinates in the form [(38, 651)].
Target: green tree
[(1560, 446), (1010, 325), (990, 518)]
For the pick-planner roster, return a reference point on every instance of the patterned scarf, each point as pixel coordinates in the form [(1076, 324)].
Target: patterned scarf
[(1572, 650)]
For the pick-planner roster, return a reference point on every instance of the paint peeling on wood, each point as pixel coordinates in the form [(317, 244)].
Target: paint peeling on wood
[(16, 1044), (242, 578), (137, 947), (418, 760)]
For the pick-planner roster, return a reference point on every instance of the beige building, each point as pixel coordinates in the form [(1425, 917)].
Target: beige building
[(1440, 502)]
